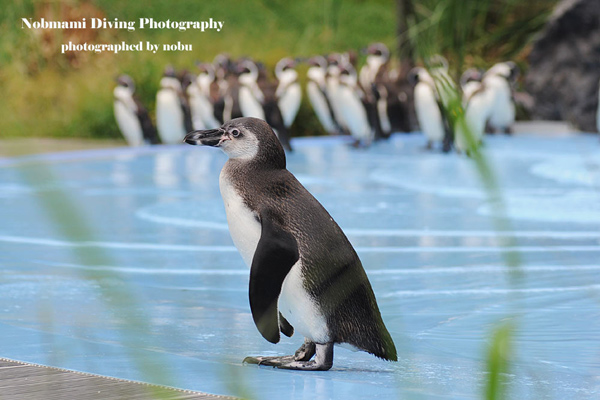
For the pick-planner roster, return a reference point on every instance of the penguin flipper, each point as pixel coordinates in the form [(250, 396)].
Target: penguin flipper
[(275, 255), (285, 327)]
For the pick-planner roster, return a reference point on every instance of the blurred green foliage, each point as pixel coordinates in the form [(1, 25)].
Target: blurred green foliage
[(49, 94), (476, 33)]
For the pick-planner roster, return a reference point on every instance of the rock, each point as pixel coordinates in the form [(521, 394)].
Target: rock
[(564, 71)]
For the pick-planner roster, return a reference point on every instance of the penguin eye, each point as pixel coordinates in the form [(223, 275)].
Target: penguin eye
[(235, 133)]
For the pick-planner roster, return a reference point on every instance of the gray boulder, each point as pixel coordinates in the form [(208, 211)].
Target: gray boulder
[(564, 71)]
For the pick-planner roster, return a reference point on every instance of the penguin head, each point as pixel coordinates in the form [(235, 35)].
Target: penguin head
[(333, 64), (348, 74), (419, 74), (284, 70), (508, 70), (317, 61), (437, 61), (243, 139), (471, 75), (222, 66), (126, 82), (247, 72), (378, 50), (206, 69)]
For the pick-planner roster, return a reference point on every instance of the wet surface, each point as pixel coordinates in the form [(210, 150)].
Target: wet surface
[(422, 223)]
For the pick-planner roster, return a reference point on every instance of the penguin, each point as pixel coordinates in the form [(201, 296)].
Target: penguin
[(498, 80), (378, 56), (374, 80), (437, 67), (317, 93), (205, 94), (477, 106), (250, 96), (429, 109), (197, 103), (131, 116), (470, 82), (332, 85), (222, 67), (289, 92), (305, 276), (352, 107), (273, 112), (170, 118)]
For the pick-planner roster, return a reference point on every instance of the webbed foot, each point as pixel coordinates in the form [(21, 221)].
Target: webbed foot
[(301, 360)]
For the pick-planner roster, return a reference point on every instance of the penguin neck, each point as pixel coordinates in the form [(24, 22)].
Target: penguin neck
[(268, 158), (244, 171)]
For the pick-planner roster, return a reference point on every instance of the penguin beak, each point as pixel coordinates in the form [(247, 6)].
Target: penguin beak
[(210, 137)]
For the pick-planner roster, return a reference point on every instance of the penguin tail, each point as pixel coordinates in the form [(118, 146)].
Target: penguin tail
[(387, 347)]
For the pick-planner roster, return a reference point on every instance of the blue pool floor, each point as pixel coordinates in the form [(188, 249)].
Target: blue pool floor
[(154, 290)]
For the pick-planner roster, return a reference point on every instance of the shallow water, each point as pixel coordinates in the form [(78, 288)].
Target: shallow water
[(421, 223)]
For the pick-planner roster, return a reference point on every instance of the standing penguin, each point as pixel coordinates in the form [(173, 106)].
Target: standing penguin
[(352, 107), (477, 103), (170, 117), (332, 81), (429, 109), (304, 273), (373, 79), (289, 92), (378, 56), (132, 117), (470, 82), (250, 95), (203, 93), (317, 93), (498, 80)]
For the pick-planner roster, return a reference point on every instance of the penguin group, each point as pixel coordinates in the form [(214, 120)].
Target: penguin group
[(367, 103), (484, 98), (218, 92)]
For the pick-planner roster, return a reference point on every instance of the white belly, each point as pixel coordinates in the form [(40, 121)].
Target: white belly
[(300, 310), (169, 117), (289, 103), (502, 113), (354, 113), (249, 105), (294, 302), (245, 230), (428, 113), (319, 104), (129, 124)]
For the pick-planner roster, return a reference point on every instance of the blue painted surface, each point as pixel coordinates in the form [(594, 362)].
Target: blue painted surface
[(422, 225)]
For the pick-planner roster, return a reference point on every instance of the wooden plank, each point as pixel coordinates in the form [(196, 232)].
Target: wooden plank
[(23, 381)]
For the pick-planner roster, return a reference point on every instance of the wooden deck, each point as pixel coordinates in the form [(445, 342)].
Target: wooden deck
[(24, 381)]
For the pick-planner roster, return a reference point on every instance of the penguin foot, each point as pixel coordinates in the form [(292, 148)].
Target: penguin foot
[(306, 351), (276, 361), (301, 360)]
